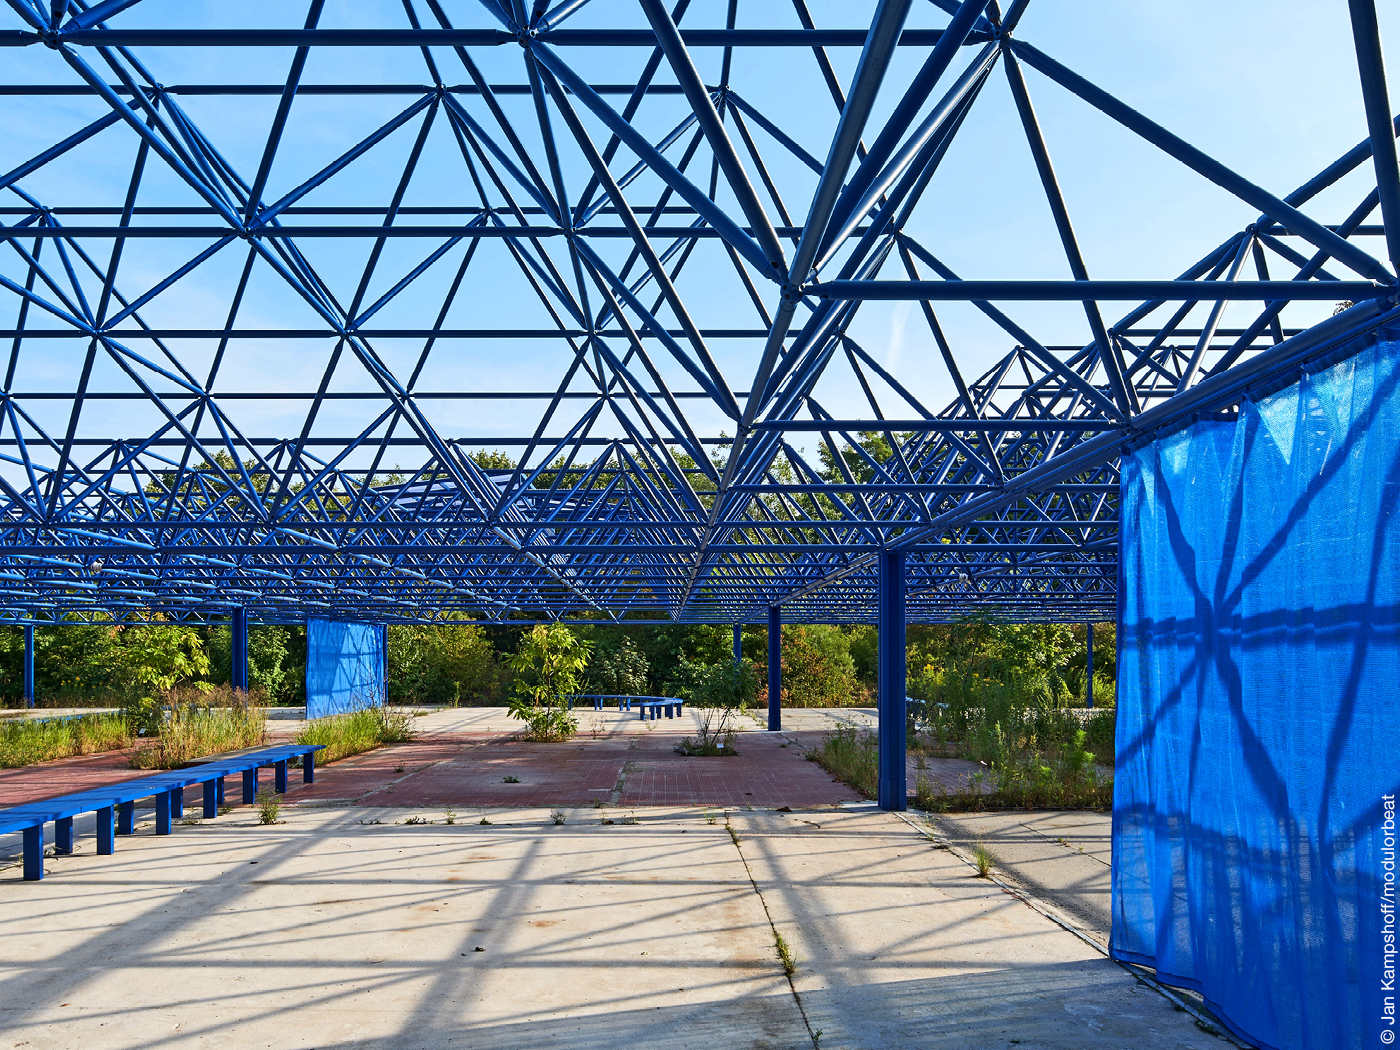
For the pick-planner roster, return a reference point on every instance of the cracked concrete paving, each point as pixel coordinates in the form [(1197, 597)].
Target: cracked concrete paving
[(1063, 857), (330, 931)]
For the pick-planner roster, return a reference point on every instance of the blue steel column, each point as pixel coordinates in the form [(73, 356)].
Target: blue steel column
[(738, 643), (29, 667), (239, 641), (892, 682), (775, 667), (1089, 667)]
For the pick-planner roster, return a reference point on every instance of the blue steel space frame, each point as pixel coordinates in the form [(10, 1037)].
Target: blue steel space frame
[(618, 503)]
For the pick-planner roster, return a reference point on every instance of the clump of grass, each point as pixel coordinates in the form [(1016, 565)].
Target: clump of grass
[(269, 806), (357, 732), (851, 755), (483, 820), (417, 820), (200, 724), (923, 793), (558, 816), (190, 822), (510, 779), (711, 817), (631, 818), (24, 741), (449, 817), (983, 860), (734, 836), (785, 954)]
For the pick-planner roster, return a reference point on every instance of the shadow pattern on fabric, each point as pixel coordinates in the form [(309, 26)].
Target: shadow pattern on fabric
[(1260, 632)]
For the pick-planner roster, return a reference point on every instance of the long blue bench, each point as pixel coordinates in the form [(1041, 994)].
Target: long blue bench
[(651, 706), (115, 804), (670, 704)]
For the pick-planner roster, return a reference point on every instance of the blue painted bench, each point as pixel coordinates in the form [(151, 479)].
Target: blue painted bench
[(115, 804), (650, 707), (647, 704)]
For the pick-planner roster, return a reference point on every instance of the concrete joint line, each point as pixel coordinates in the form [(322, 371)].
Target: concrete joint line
[(773, 929), (1064, 922)]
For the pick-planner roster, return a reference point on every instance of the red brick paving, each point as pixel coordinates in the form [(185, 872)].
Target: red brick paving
[(457, 770), (65, 776)]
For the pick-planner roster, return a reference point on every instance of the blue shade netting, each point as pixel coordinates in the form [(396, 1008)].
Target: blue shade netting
[(1257, 708), (344, 667)]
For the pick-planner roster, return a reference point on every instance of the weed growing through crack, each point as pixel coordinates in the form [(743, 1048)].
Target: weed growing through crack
[(508, 779), (983, 860), (269, 806), (483, 820), (417, 820), (631, 818), (190, 822), (734, 835), (817, 1039), (376, 820), (598, 803), (448, 817), (785, 954), (711, 818), (398, 769), (225, 810), (558, 816)]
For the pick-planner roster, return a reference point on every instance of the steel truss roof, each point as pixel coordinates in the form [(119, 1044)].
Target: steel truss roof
[(694, 268)]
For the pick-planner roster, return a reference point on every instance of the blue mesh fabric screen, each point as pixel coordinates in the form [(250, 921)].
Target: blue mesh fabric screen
[(344, 666), (1257, 708)]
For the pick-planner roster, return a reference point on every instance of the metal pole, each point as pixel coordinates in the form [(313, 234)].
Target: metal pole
[(238, 640), (893, 788), (1371, 65), (1089, 667), (775, 668), (29, 666), (738, 643)]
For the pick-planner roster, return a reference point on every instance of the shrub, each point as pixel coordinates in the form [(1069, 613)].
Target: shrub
[(357, 732), (550, 663)]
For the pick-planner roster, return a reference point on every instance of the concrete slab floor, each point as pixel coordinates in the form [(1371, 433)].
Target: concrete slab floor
[(332, 931), (1061, 857)]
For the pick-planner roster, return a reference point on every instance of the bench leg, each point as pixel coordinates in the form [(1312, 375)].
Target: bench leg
[(308, 768), (250, 786), (211, 799), (63, 835), (34, 853), (106, 825), (126, 818), (279, 772), (177, 802), (163, 813), (220, 791)]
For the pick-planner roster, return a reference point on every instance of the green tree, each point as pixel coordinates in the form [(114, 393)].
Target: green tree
[(621, 672), (549, 666), (269, 649), (442, 664), (158, 657)]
